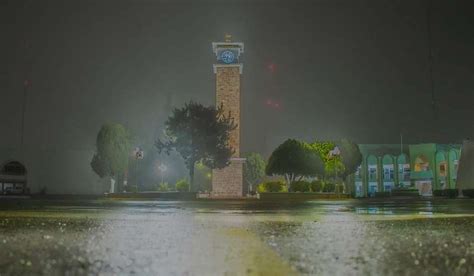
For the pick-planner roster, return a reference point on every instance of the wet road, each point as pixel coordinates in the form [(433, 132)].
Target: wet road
[(237, 238)]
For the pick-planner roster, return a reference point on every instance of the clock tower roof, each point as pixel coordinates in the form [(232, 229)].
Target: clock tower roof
[(236, 46)]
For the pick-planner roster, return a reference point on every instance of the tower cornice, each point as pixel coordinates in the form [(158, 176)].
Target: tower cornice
[(239, 65), (239, 46)]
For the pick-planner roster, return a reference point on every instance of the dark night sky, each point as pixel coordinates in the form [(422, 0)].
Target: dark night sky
[(355, 69)]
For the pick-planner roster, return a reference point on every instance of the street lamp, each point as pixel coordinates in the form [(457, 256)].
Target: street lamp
[(334, 154), (138, 154), (162, 168)]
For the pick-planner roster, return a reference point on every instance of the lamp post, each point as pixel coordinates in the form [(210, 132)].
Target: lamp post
[(334, 154), (138, 154), (162, 168)]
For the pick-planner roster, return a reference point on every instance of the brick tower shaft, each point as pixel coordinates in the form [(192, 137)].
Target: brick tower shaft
[(228, 94), (228, 182)]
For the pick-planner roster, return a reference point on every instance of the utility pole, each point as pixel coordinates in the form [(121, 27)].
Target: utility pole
[(401, 144), (28, 63), (430, 63), (26, 84), (138, 154)]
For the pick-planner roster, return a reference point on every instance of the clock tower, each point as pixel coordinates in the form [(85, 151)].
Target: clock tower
[(228, 182)]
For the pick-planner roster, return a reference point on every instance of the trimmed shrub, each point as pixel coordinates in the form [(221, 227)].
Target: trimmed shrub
[(182, 185), (339, 188), (271, 187), (450, 193), (300, 186), (329, 187), (382, 194), (163, 187), (468, 193), (131, 188), (316, 186)]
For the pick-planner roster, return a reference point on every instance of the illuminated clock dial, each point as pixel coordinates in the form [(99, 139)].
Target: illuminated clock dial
[(227, 56)]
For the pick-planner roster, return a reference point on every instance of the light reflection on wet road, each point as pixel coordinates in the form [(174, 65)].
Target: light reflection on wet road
[(237, 238)]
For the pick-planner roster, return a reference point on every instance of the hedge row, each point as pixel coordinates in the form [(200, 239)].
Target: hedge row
[(453, 193), (297, 186), (271, 187)]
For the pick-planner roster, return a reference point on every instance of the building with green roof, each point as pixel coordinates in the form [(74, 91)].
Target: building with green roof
[(419, 167)]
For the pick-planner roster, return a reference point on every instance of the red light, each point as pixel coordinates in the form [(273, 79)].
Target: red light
[(272, 104), (271, 67)]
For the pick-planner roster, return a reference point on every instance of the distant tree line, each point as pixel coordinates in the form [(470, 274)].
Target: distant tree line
[(200, 135), (321, 160)]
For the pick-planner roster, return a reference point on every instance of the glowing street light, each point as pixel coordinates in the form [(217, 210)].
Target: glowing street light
[(137, 154)]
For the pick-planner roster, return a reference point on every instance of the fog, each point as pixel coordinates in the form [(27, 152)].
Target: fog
[(337, 69)]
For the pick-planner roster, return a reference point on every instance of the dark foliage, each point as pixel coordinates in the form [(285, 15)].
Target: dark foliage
[(329, 187), (271, 187), (351, 156), (113, 150), (198, 134), (294, 160), (254, 169), (468, 193), (450, 193), (382, 194), (316, 186), (99, 166), (300, 186)]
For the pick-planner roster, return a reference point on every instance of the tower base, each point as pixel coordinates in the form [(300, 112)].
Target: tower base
[(228, 182)]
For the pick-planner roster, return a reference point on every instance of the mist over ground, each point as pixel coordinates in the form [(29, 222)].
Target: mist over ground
[(337, 69)]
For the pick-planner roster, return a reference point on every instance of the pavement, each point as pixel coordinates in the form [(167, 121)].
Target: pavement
[(350, 237)]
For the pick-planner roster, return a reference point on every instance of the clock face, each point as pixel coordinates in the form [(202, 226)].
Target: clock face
[(227, 56)]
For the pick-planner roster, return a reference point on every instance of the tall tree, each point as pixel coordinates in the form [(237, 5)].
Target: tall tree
[(332, 163), (294, 160), (113, 146), (254, 169), (202, 177), (351, 157), (198, 134)]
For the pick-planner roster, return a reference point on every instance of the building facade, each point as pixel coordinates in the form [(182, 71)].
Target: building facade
[(392, 167), (53, 171), (13, 178)]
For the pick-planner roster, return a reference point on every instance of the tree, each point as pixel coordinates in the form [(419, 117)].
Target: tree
[(254, 169), (351, 157), (182, 185), (112, 152), (99, 166), (332, 164), (294, 160), (342, 165), (198, 134), (202, 177)]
